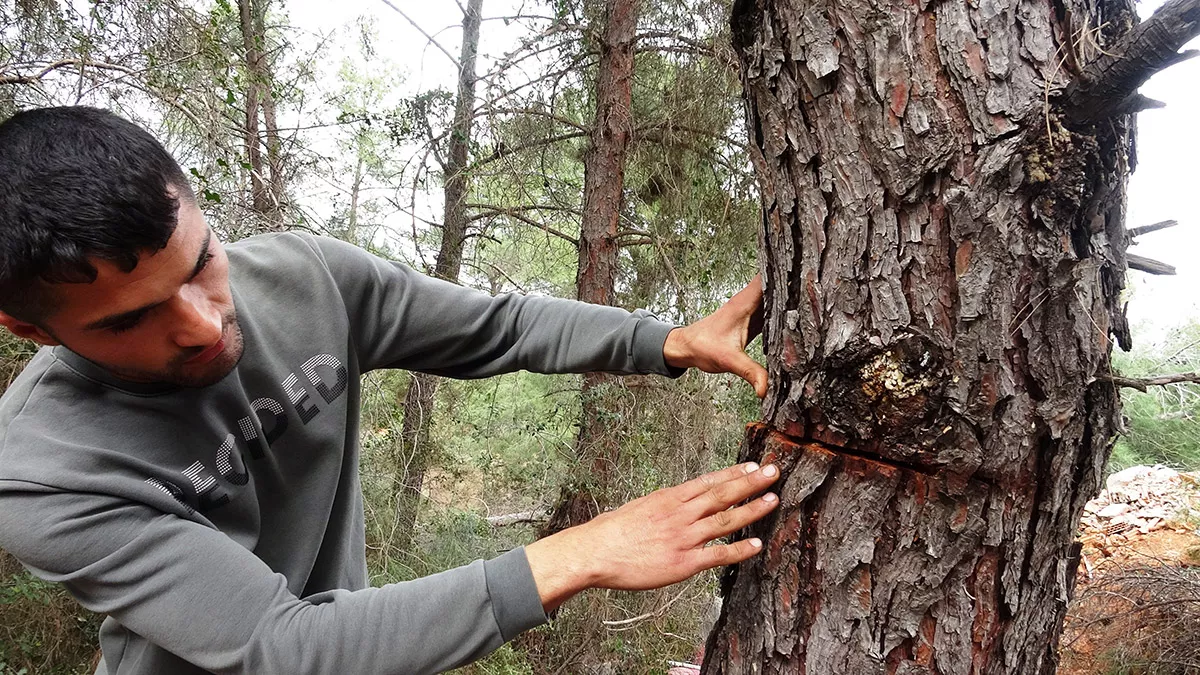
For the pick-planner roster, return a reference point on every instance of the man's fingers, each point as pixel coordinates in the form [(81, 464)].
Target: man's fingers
[(751, 371), (728, 554), (722, 523), (752, 294), (724, 495), (702, 484)]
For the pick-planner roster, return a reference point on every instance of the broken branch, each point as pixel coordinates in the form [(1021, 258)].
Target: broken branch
[(521, 517), (1137, 262), (1142, 384), (1147, 229), (1108, 86)]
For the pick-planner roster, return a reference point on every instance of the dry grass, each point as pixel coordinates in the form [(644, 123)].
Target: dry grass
[(1141, 617)]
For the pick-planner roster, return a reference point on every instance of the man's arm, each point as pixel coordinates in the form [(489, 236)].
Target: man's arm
[(400, 318), (195, 592)]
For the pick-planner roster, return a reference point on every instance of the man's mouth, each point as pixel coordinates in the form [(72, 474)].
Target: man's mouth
[(206, 355)]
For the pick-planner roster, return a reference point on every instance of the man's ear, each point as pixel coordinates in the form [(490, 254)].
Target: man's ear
[(29, 331)]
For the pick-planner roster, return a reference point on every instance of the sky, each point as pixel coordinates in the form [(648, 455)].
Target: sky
[(1166, 185)]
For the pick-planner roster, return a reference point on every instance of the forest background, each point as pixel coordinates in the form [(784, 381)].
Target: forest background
[(463, 147)]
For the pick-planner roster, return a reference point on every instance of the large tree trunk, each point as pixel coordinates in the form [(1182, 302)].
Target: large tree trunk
[(422, 389), (596, 446), (943, 256)]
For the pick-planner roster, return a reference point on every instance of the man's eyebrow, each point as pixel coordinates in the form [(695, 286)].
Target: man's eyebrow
[(118, 319), (202, 259)]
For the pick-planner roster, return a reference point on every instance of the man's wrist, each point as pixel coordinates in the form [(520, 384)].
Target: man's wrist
[(562, 566), (676, 352)]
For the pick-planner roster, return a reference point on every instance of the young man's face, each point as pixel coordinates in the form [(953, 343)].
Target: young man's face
[(170, 320)]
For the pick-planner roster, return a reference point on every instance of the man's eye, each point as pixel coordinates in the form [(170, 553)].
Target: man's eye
[(127, 324), (204, 262)]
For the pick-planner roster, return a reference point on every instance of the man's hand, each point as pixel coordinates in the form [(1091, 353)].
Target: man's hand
[(656, 540), (717, 343)]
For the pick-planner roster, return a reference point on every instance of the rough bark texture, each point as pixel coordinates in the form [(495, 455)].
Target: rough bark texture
[(603, 196), (943, 258), (419, 399)]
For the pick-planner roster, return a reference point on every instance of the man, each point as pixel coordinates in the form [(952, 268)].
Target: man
[(182, 454)]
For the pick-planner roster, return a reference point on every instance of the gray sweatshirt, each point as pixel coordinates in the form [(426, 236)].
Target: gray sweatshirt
[(221, 529)]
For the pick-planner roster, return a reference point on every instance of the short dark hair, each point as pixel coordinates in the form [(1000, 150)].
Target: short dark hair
[(78, 183)]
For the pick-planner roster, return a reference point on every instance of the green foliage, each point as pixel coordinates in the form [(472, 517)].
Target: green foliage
[(1164, 423), (42, 629)]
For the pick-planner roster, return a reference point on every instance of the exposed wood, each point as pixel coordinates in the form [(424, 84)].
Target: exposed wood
[(1147, 229), (943, 257), (1109, 84), (1144, 383), (1142, 264)]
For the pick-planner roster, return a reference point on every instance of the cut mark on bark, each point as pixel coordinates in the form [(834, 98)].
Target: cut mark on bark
[(781, 445)]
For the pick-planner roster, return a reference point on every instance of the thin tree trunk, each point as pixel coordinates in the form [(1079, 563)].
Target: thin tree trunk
[(943, 255), (419, 398), (250, 138), (276, 189), (355, 190), (596, 446)]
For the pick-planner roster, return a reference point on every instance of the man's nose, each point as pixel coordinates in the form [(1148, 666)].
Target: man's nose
[(198, 320)]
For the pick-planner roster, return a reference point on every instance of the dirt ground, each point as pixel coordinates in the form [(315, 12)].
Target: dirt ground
[(1098, 622)]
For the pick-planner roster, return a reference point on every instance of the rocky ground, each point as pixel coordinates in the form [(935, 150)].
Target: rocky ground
[(1138, 592)]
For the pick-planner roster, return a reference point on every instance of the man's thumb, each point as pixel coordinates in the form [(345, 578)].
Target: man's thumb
[(750, 370)]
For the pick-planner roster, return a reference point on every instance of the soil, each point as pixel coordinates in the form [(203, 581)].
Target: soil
[(1086, 640)]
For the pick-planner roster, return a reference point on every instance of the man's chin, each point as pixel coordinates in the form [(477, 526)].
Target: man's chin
[(192, 377), (215, 370)]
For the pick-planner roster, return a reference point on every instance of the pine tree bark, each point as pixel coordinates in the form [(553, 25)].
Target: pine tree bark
[(419, 398), (596, 446), (943, 255)]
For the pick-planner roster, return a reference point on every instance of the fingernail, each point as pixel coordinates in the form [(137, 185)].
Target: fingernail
[(769, 497), (770, 470), (756, 542), (751, 467)]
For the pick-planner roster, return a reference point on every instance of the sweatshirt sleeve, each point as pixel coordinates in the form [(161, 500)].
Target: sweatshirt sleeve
[(404, 319), (198, 594)]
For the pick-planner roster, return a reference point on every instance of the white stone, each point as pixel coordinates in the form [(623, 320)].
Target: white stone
[(1114, 510)]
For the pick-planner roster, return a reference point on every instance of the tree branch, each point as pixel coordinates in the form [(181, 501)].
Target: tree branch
[(533, 112), (429, 37), (503, 151), (535, 516), (516, 215), (1137, 262), (1147, 229), (66, 63), (1108, 86), (1143, 383)]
